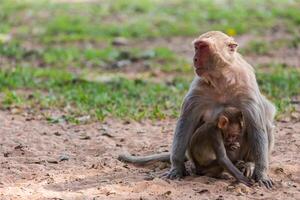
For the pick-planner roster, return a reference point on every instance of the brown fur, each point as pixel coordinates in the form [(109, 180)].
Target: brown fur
[(202, 153)]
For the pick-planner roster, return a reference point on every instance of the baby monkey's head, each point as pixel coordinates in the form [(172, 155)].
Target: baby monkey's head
[(230, 121)]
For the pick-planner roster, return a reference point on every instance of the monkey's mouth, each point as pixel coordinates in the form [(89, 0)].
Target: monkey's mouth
[(232, 146), (200, 63), (200, 70)]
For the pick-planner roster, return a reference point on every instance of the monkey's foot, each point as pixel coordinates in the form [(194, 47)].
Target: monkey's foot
[(266, 181), (175, 173), (263, 180)]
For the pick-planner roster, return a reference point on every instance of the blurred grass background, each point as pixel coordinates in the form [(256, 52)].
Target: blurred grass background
[(132, 59)]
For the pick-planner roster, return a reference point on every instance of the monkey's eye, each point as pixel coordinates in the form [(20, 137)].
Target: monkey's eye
[(196, 48)]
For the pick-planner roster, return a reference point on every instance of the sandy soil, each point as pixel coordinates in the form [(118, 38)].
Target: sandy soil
[(39, 160)]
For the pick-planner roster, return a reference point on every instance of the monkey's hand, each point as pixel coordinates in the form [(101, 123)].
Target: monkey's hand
[(262, 179), (247, 168), (175, 173), (245, 180)]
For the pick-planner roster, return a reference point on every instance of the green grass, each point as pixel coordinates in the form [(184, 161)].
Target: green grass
[(58, 57), (257, 47), (280, 84), (50, 22), (54, 45), (59, 35), (261, 47), (119, 97), (164, 19)]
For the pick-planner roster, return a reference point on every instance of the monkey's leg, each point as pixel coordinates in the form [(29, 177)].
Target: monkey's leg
[(259, 150), (258, 143), (213, 170), (199, 170), (184, 130), (270, 111)]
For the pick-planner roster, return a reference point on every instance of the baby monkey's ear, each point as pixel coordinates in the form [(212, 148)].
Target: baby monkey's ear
[(222, 122)]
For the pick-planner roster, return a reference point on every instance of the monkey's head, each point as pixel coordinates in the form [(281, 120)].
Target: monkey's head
[(212, 50), (230, 121)]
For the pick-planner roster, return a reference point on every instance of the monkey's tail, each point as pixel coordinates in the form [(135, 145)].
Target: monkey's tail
[(165, 157)]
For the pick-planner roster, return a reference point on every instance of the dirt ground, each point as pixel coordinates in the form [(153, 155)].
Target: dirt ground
[(40, 160)]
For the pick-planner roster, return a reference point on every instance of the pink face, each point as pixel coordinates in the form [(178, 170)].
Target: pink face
[(201, 57), (213, 49)]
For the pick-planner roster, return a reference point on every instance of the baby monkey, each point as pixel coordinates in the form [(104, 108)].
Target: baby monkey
[(230, 121), (215, 146)]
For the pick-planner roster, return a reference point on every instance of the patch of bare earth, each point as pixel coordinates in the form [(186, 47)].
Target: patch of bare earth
[(39, 160)]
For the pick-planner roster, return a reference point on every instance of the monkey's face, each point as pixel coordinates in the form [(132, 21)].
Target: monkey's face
[(213, 49), (202, 57), (232, 135)]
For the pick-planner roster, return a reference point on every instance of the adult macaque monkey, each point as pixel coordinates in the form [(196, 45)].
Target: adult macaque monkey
[(224, 77)]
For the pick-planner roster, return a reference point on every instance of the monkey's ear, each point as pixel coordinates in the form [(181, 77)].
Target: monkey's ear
[(223, 121), (194, 41), (233, 46)]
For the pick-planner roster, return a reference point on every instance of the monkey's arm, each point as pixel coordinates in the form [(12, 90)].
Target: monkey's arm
[(185, 127), (223, 160), (257, 139)]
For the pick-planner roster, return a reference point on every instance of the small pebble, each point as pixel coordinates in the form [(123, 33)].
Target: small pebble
[(63, 158)]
